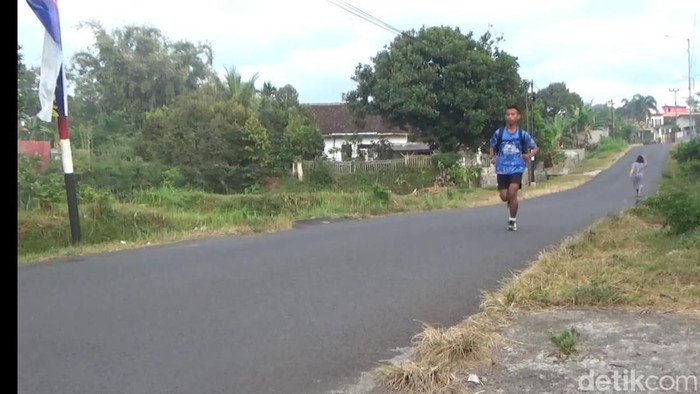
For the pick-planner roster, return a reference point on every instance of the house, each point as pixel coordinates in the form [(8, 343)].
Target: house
[(338, 127), (680, 117)]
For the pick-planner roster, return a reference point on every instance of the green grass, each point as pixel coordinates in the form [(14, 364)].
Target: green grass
[(167, 214), (602, 155), (565, 340)]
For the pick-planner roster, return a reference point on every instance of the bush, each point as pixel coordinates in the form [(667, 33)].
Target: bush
[(320, 174), (677, 201), (447, 159), (122, 177), (37, 186), (606, 144), (678, 206), (687, 152)]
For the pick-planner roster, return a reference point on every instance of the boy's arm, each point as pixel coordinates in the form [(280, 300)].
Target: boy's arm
[(533, 146), (492, 147)]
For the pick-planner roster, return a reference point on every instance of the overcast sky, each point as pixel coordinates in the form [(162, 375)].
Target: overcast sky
[(602, 49)]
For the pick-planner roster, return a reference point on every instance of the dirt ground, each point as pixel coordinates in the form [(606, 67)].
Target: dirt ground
[(616, 351)]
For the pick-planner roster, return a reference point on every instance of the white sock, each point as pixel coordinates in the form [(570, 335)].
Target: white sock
[(511, 219)]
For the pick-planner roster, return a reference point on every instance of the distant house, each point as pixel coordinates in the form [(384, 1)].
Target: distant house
[(677, 122), (338, 127)]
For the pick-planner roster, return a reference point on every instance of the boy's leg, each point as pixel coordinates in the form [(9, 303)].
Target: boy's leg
[(515, 184), (503, 183)]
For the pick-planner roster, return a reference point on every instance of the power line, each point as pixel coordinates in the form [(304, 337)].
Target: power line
[(366, 16)]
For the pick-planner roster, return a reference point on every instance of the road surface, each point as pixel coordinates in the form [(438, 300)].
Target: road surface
[(302, 311)]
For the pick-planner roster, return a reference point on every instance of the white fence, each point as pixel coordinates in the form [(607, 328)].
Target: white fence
[(349, 167), (412, 161)]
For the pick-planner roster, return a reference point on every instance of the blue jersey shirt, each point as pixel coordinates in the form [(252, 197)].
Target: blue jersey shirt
[(509, 159)]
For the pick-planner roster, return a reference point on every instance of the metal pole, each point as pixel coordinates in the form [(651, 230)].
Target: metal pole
[(691, 120)]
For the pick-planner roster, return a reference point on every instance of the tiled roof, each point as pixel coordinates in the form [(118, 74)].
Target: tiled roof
[(337, 118)]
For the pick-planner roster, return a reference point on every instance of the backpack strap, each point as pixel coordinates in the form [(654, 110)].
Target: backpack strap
[(521, 137), (499, 139)]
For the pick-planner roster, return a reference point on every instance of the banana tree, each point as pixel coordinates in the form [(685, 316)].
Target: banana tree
[(35, 130), (550, 137)]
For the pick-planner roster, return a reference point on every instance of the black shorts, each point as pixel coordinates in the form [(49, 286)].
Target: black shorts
[(504, 181)]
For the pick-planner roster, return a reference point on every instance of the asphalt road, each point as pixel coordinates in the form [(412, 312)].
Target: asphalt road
[(302, 311)]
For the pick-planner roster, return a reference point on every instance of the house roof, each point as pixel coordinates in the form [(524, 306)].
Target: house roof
[(336, 118)]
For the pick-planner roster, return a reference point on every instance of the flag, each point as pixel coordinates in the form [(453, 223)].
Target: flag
[(52, 80)]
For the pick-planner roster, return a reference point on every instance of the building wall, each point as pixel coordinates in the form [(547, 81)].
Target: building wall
[(597, 134), (335, 142), (655, 121), (40, 148)]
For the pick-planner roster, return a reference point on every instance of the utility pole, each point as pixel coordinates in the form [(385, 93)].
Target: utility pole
[(675, 108), (529, 126), (533, 162), (612, 117), (691, 120), (675, 101)]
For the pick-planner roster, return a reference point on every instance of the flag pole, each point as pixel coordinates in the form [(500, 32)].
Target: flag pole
[(53, 97), (69, 178)]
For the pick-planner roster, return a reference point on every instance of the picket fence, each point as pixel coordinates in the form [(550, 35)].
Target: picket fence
[(411, 161)]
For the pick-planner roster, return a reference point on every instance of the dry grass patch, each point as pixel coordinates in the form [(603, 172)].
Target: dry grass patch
[(623, 261)]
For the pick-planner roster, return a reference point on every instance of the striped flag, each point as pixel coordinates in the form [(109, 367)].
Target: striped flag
[(52, 80)]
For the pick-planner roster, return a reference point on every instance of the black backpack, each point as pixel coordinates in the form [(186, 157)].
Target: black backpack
[(499, 140)]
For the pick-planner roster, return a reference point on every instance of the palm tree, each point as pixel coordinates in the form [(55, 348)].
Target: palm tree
[(243, 92), (639, 108)]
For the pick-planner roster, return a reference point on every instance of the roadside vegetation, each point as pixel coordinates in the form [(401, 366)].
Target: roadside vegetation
[(646, 258), (166, 147), (143, 216)]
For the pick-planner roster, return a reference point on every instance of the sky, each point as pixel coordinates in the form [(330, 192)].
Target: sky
[(601, 49)]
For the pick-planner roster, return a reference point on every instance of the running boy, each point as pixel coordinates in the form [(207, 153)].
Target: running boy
[(509, 154)]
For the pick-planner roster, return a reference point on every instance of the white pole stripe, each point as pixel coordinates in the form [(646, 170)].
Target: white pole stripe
[(66, 156)]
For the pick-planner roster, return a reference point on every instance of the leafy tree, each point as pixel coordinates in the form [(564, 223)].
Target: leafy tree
[(293, 132), (133, 70), (694, 102), (27, 89), (302, 138), (549, 131), (448, 87), (218, 144), (557, 99)]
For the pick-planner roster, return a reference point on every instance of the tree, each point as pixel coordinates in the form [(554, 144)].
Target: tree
[(448, 87), (638, 108), (694, 103), (557, 99), (217, 143), (302, 138), (27, 89), (131, 71), (243, 92), (550, 131), (292, 129)]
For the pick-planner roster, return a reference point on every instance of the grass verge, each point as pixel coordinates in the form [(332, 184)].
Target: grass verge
[(164, 215), (643, 259)]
